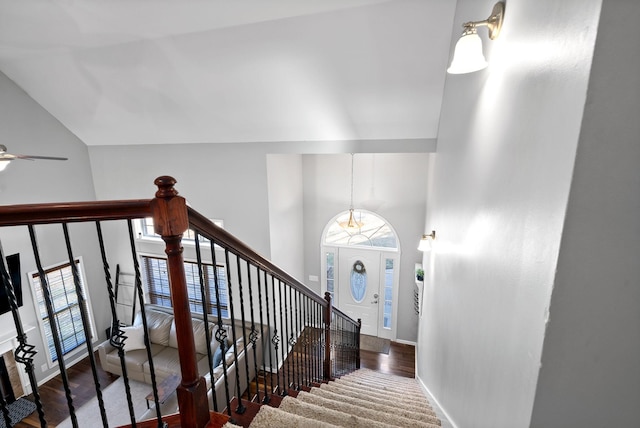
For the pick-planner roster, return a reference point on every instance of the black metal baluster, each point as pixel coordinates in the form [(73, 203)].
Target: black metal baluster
[(299, 336), (244, 333), (46, 294), (275, 339), (4, 406), (145, 327), (253, 335), (86, 325), (264, 340), (116, 336), (285, 377), (293, 340), (240, 409), (24, 352), (288, 342), (221, 334), (302, 339), (204, 298), (317, 346), (308, 336), (334, 338), (358, 327)]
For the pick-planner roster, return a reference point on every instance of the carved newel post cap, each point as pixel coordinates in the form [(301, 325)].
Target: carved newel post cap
[(165, 185)]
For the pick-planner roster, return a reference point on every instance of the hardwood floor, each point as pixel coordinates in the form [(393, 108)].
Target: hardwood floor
[(400, 361), (53, 398)]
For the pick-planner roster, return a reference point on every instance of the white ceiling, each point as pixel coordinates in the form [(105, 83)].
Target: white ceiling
[(165, 71)]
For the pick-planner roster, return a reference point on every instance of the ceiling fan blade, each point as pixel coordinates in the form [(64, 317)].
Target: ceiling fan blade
[(29, 157)]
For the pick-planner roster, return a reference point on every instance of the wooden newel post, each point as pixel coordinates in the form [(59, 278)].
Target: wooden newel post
[(327, 338), (170, 220)]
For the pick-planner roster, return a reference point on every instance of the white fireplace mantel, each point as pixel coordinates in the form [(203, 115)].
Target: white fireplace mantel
[(8, 342)]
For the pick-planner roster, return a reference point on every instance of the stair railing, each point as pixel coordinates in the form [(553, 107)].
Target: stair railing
[(283, 335)]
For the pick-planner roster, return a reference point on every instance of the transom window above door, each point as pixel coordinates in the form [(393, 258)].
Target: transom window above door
[(371, 231)]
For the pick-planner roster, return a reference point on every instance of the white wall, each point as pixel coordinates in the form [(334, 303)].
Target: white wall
[(284, 177), (590, 374), (391, 185), (500, 185), (26, 128)]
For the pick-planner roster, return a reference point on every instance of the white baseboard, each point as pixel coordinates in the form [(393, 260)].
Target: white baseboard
[(405, 342), (448, 422), (77, 358)]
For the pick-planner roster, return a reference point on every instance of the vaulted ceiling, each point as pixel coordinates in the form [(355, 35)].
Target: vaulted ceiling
[(196, 71)]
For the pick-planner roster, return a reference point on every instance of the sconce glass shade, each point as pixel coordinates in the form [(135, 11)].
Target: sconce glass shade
[(4, 164), (425, 244), (468, 56), (425, 241)]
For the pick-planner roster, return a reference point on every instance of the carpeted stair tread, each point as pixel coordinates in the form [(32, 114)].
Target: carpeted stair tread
[(379, 375), (394, 381), (337, 418), (383, 386), (364, 396), (390, 418), (387, 377), (269, 417), (378, 395), (381, 383), (409, 411)]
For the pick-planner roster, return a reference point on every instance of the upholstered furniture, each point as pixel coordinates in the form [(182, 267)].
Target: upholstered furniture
[(162, 335)]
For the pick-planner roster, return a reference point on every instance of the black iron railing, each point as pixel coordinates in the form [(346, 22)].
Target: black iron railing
[(284, 336)]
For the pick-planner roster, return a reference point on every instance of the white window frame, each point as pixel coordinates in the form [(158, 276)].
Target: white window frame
[(41, 322), (141, 231), (146, 280)]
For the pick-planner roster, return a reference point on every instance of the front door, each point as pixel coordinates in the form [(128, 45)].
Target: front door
[(359, 287)]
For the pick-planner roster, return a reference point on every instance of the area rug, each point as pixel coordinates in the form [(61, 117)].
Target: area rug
[(18, 410), (115, 404), (374, 344)]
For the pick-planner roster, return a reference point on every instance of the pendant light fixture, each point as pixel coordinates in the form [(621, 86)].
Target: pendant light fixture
[(351, 223)]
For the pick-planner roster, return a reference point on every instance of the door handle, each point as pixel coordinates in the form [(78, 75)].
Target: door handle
[(375, 296)]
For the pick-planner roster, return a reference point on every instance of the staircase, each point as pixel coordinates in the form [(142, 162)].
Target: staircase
[(364, 398)]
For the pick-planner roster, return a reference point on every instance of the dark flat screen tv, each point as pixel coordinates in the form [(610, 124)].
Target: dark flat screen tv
[(13, 266)]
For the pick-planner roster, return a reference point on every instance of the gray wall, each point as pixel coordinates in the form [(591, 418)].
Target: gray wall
[(500, 186), (392, 186), (590, 374), (284, 177), (26, 128), (222, 181)]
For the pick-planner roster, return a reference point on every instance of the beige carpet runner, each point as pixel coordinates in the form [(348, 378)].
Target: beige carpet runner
[(364, 398)]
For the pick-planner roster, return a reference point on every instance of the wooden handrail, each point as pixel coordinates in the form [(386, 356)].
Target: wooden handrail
[(209, 230), (69, 212)]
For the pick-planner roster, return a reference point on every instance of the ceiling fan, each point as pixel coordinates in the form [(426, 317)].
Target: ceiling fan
[(6, 158)]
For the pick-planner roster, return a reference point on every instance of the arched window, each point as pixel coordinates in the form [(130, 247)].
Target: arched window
[(373, 232)]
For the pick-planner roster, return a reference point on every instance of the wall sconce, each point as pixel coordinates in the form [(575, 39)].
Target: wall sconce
[(467, 55), (425, 241)]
